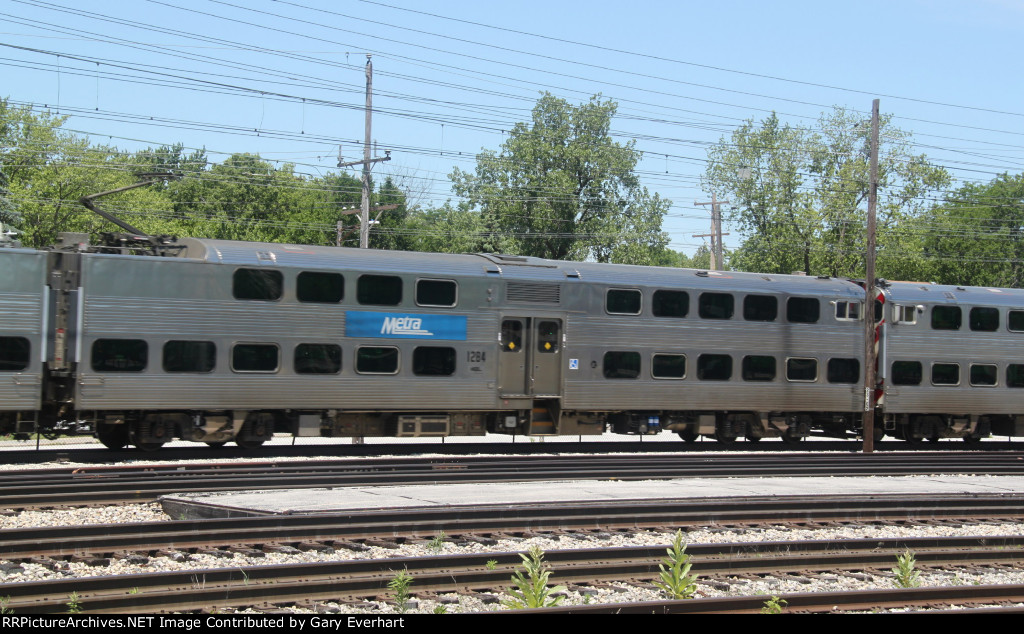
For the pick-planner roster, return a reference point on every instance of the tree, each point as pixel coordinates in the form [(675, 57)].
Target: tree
[(561, 188), (977, 236), (799, 195)]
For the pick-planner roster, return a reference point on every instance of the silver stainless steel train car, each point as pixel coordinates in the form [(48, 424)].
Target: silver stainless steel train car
[(217, 341)]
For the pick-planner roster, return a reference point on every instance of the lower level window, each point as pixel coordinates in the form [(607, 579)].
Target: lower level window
[(374, 360), (14, 354), (621, 365), (119, 355), (714, 367), (317, 358), (255, 357), (433, 361)]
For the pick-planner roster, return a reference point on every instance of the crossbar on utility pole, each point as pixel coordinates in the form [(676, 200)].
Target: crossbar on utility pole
[(870, 334)]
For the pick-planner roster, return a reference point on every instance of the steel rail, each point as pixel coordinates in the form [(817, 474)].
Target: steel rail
[(268, 586), (98, 485), (102, 540)]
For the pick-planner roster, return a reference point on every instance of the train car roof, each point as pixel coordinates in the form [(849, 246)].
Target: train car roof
[(507, 267), (926, 293)]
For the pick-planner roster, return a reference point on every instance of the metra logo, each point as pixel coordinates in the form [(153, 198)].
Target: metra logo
[(409, 326)]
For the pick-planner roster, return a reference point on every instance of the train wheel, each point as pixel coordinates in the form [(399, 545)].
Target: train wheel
[(725, 439), (688, 436), (755, 438), (112, 436), (216, 445), (255, 431)]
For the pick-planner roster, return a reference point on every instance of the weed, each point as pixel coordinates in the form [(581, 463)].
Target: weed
[(676, 580), (774, 605), (134, 590), (440, 609), (74, 603), (906, 576), (436, 545), (400, 586), (3, 605), (491, 564), (533, 590)]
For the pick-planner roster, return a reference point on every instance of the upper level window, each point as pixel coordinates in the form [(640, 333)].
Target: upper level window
[(803, 310), (716, 306), (670, 303), (847, 310), (320, 288), (436, 293), (760, 307), (119, 355), (946, 317), (904, 314), (379, 290), (623, 301), (258, 284), (14, 354), (984, 318)]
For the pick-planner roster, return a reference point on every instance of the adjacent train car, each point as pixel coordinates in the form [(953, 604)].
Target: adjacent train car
[(217, 341)]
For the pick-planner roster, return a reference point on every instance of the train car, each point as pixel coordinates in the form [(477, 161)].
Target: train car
[(23, 313), (217, 341), (949, 362)]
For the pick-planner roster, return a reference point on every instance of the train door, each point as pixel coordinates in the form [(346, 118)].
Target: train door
[(531, 351)]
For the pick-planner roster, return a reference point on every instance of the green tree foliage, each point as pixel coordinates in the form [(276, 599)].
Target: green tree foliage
[(799, 195), (977, 237), (561, 188)]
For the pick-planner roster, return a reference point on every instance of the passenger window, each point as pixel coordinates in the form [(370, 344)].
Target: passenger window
[(317, 358), (621, 301), (374, 360), (802, 370), (15, 354), (670, 303), (320, 288), (511, 335), (945, 374), (119, 355), (436, 293), (621, 365), (547, 336), (760, 307), (668, 366), (984, 319), (716, 306), (906, 373), (255, 357), (258, 284), (946, 317), (983, 374), (1015, 320), (802, 310), (843, 371), (847, 311), (190, 356), (904, 314), (1015, 375), (714, 367), (379, 290), (758, 368), (431, 361)]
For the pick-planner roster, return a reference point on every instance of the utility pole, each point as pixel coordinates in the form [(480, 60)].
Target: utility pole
[(364, 214), (717, 254), (868, 424)]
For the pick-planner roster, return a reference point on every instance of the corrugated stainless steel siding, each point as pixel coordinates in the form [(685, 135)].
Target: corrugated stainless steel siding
[(22, 302)]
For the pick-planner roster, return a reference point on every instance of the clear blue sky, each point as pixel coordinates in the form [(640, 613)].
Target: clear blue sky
[(450, 77)]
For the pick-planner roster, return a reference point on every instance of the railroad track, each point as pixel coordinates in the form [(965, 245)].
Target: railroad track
[(47, 488), (397, 526), (306, 585)]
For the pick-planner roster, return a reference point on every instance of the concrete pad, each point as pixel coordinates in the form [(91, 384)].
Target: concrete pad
[(301, 501)]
